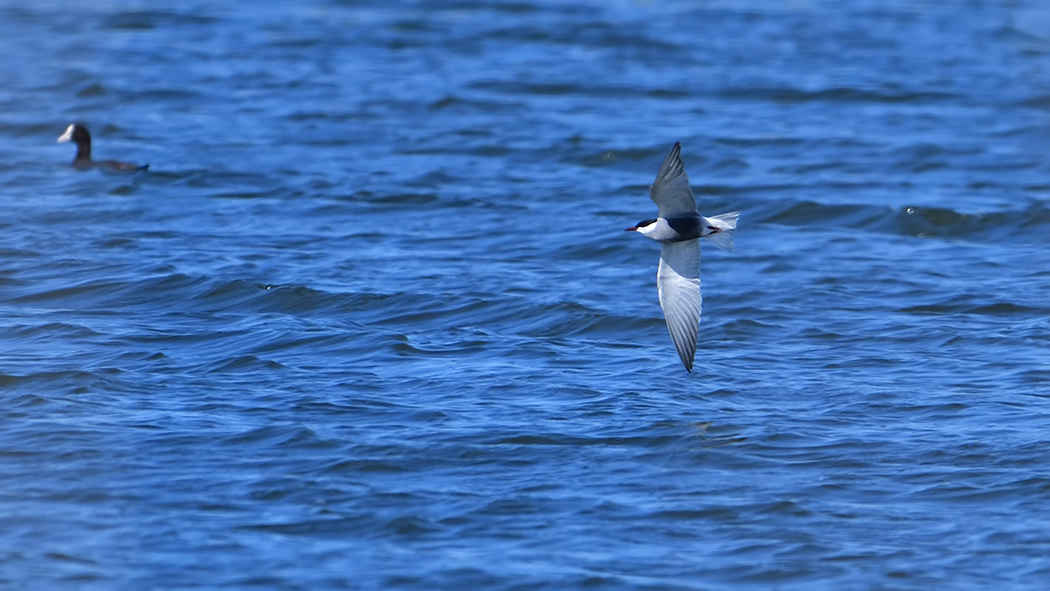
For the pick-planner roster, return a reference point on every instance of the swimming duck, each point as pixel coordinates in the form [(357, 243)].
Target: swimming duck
[(78, 134)]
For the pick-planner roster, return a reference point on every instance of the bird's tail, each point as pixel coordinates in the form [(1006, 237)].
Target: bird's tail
[(726, 224)]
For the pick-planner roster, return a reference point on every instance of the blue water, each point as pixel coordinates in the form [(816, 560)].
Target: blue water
[(371, 321)]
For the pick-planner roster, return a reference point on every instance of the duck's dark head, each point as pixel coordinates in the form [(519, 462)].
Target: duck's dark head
[(76, 133)]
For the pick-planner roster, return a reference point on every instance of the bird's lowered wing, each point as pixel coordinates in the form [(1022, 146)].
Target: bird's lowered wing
[(679, 283)]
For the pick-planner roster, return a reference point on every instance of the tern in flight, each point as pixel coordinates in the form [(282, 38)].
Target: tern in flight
[(679, 228)]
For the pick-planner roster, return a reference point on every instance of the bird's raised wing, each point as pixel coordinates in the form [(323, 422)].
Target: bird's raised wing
[(679, 283), (670, 191)]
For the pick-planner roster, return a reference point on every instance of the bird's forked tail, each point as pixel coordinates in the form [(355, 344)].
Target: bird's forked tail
[(726, 224)]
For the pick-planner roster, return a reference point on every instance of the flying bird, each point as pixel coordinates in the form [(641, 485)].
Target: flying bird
[(78, 134), (679, 228)]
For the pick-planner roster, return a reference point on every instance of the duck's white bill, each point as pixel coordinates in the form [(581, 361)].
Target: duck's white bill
[(67, 136)]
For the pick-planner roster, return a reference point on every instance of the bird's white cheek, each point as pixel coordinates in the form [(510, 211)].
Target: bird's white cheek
[(648, 231)]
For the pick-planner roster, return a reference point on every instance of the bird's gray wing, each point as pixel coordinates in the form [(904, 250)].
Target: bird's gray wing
[(679, 283), (670, 191)]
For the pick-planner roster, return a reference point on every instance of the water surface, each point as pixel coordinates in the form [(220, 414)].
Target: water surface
[(371, 321)]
